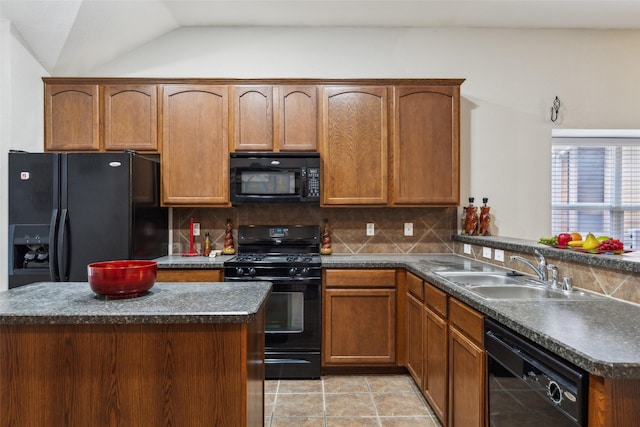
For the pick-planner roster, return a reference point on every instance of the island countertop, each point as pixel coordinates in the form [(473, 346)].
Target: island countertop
[(75, 303)]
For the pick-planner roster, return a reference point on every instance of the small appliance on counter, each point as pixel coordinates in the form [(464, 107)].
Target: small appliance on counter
[(68, 210), (288, 256)]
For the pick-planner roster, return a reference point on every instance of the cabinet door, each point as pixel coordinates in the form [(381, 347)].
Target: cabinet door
[(195, 151), (426, 146), (436, 380), (354, 145), (467, 365), (297, 128), (359, 327), (71, 117), (253, 118), (414, 339), (131, 117)]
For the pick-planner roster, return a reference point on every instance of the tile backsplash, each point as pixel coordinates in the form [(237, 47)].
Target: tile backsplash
[(432, 227)]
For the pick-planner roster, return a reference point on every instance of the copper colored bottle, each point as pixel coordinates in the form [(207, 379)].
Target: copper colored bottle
[(470, 219), (485, 219)]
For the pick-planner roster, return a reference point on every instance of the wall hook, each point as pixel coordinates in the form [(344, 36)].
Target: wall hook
[(555, 109)]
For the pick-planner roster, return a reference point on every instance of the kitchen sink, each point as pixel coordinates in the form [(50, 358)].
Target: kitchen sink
[(499, 286), (480, 278)]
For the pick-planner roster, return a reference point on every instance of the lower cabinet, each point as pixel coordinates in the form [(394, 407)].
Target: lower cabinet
[(415, 328), (359, 317), (467, 366), (435, 383), (187, 275)]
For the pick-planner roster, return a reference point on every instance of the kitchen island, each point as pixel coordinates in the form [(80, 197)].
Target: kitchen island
[(183, 354)]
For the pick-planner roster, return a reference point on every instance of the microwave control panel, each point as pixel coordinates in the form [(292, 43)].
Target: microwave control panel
[(313, 182)]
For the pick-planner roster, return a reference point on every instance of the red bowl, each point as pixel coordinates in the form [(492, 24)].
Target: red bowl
[(122, 278)]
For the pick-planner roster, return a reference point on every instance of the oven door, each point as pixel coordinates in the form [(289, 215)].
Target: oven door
[(292, 330)]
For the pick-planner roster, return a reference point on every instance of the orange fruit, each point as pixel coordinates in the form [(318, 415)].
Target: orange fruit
[(576, 236)]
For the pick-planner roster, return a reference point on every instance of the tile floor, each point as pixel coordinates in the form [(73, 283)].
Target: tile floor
[(345, 401)]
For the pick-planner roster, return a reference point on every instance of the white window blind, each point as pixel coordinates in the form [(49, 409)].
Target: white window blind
[(595, 184)]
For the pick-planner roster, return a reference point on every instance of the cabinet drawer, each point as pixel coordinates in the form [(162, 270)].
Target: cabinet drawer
[(360, 278), (186, 275), (466, 320), (414, 286), (435, 299)]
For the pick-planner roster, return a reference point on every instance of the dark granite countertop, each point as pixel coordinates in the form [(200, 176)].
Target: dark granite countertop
[(75, 303), (600, 336), (195, 262)]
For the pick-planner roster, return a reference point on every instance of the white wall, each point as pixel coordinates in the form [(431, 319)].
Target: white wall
[(21, 118), (512, 78)]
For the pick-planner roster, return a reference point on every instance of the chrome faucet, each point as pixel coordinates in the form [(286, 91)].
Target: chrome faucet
[(541, 269)]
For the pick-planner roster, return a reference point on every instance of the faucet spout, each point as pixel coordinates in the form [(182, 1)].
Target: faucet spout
[(540, 269)]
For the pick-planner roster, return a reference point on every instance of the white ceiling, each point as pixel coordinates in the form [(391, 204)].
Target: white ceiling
[(67, 35)]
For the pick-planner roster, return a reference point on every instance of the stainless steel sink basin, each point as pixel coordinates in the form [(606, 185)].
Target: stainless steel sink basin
[(480, 278), (499, 286), (517, 292)]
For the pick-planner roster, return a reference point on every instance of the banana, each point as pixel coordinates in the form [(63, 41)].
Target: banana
[(576, 243)]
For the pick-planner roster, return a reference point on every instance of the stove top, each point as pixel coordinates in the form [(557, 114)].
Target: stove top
[(258, 259)]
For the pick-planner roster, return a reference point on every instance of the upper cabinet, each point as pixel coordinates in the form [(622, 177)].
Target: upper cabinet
[(297, 108), (253, 118), (195, 145), (131, 117), (425, 160), (274, 118), (353, 145), (100, 117), (71, 117)]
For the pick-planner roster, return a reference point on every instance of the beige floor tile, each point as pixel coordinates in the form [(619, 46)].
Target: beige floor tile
[(271, 386), (269, 398), (352, 422), (345, 384), (408, 422), (298, 405), (297, 422), (350, 405), (399, 404), (300, 386), (390, 384)]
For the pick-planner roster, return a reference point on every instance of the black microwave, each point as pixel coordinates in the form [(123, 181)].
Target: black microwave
[(267, 177)]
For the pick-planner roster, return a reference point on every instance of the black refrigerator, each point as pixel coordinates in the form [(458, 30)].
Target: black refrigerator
[(67, 210)]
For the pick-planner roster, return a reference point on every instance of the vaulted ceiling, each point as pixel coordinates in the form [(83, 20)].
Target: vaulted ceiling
[(61, 33)]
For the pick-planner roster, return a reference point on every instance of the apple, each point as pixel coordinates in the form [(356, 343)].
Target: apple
[(564, 239)]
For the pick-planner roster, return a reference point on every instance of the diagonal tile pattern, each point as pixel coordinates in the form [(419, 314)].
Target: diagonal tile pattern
[(346, 401)]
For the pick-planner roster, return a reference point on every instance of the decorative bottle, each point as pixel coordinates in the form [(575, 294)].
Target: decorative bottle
[(325, 249), (207, 244), (471, 219), (485, 218), (228, 248)]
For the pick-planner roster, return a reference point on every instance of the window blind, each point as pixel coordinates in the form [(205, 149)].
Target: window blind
[(595, 184)]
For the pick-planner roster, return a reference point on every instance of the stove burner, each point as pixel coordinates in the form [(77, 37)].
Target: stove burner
[(250, 257)]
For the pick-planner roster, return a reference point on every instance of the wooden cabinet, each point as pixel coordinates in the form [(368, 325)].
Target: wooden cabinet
[(188, 275), (359, 317), (131, 117), (353, 145), (195, 149), (275, 118), (415, 328), (297, 108), (425, 161), (435, 384), (467, 366), (71, 117), (253, 118)]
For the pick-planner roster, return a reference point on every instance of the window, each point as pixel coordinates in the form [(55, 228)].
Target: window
[(595, 183)]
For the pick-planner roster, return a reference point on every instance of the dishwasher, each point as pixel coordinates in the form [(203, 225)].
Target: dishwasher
[(530, 386)]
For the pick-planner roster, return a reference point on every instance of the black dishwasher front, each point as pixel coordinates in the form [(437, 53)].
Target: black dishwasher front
[(530, 386)]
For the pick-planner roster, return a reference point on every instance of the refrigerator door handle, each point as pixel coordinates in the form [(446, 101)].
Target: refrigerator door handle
[(54, 272), (63, 249)]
